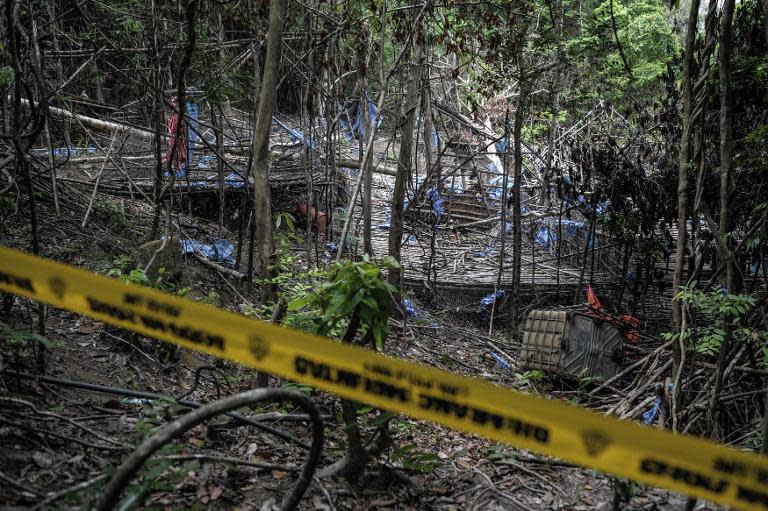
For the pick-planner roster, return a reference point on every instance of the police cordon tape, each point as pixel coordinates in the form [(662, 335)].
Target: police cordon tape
[(554, 428)]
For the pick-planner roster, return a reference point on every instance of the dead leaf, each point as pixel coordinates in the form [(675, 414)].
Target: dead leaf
[(196, 442), (89, 328), (381, 503), (215, 492), (279, 474), (42, 460)]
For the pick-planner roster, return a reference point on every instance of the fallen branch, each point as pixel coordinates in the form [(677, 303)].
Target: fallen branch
[(53, 497), (228, 459), (377, 169), (223, 269), (612, 379), (97, 124), (128, 468)]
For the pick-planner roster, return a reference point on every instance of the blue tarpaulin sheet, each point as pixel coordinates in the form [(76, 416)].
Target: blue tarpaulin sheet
[(206, 161), (503, 363), (437, 203), (331, 249), (231, 180), (220, 251), (296, 134), (410, 308), (387, 224), (193, 111), (497, 187), (543, 238), (650, 415), (546, 235), (487, 251), (487, 302), (180, 173), (492, 297), (354, 116), (68, 151)]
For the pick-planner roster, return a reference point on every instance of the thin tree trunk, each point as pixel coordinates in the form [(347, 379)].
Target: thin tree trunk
[(21, 148), (726, 165), (557, 23), (217, 119), (404, 161), (353, 463), (260, 166), (503, 232), (157, 123), (365, 166), (58, 68), (517, 212), (682, 196), (384, 84), (619, 46), (35, 40)]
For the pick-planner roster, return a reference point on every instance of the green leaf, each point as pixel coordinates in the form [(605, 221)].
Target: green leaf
[(6, 76), (390, 263), (299, 302), (289, 222)]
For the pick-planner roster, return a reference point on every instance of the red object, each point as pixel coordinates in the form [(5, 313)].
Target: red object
[(179, 159), (318, 218), (593, 300), (627, 320)]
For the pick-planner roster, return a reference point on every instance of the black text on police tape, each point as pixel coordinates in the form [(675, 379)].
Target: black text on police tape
[(439, 405), (162, 326)]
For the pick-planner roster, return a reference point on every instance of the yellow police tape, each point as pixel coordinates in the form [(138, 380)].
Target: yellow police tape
[(648, 455)]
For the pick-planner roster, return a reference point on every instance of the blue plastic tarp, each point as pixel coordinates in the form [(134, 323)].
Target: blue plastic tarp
[(503, 363), (544, 238), (220, 251), (437, 203), (231, 180), (497, 187), (331, 249), (180, 173), (68, 151), (387, 223), (206, 161), (487, 251), (193, 111), (650, 415), (410, 309), (352, 124), (490, 298), (296, 134), (570, 228)]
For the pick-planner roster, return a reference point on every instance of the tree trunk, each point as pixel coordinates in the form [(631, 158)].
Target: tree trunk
[(726, 165), (517, 211), (557, 23), (682, 198), (157, 122), (404, 163), (503, 231), (353, 463), (365, 167), (260, 165)]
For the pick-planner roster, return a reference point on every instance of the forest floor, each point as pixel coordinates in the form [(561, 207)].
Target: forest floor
[(55, 438)]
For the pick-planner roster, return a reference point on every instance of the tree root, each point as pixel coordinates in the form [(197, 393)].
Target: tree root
[(131, 465)]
